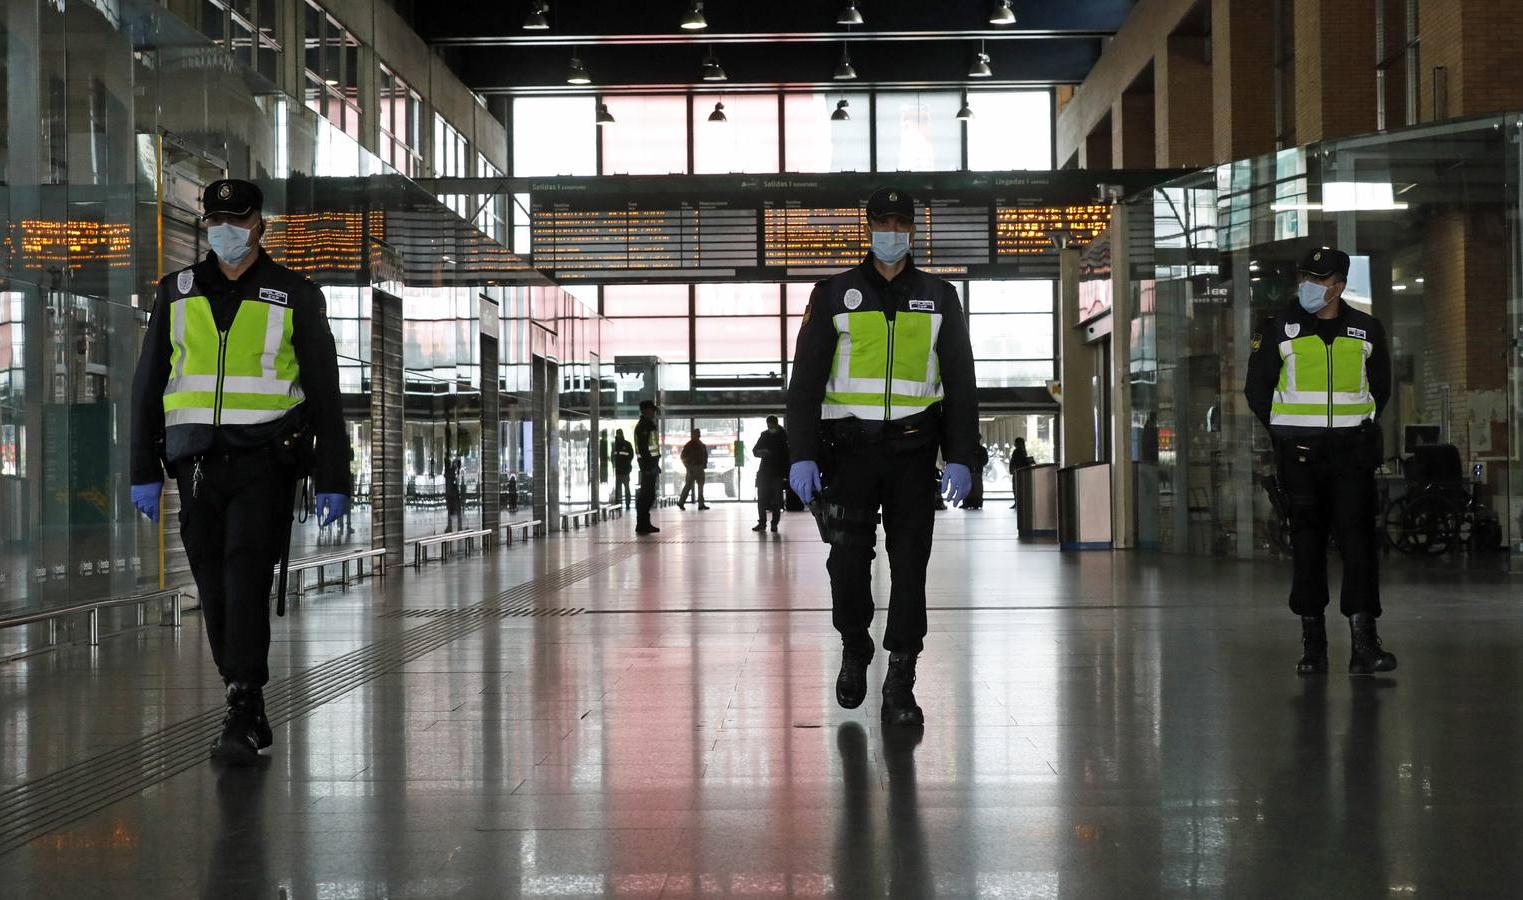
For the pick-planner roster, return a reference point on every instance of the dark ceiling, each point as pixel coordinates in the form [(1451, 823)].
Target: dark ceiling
[(627, 44)]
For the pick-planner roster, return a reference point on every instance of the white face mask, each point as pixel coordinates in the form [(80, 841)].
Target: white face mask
[(1313, 297), (230, 242), (890, 246)]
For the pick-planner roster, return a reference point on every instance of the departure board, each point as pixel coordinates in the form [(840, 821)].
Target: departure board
[(698, 235), (799, 236), (1023, 230)]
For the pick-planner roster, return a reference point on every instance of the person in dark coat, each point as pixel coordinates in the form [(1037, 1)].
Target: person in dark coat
[(980, 463), (623, 464), (772, 449), (1019, 459)]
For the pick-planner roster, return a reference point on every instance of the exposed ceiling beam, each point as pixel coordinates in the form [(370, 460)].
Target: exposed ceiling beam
[(796, 37), (831, 87)]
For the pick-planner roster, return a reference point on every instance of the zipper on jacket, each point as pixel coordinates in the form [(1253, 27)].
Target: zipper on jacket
[(1329, 385), (221, 375), (888, 377)]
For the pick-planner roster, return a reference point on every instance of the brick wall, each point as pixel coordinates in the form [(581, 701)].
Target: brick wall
[(1242, 73), (1334, 69), (1184, 136), (1132, 131)]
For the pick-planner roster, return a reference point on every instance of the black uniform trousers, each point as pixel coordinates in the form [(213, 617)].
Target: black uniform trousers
[(645, 497), (621, 488), (1332, 491), (235, 524), (769, 495), (903, 483)]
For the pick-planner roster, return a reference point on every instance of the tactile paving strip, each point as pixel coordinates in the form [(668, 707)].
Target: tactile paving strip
[(33, 809)]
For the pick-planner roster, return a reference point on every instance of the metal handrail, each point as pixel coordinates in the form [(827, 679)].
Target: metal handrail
[(93, 608), (301, 566)]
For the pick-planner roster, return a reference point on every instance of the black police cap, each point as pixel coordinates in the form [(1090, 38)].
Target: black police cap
[(231, 197), (648, 404), (891, 202), (1325, 261)]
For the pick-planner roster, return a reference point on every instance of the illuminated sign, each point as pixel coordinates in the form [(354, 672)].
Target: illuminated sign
[(1020, 230), (74, 244)]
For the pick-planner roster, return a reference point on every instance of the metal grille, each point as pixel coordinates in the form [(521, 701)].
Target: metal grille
[(31, 810)]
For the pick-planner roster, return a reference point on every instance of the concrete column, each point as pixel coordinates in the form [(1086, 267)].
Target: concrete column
[(1242, 73), (1123, 473), (1182, 114), (1132, 139), (1335, 82), (1075, 367), (1095, 153)]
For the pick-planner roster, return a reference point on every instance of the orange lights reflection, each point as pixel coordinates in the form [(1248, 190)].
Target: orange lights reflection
[(318, 241), (120, 837), (1023, 230), (72, 244)]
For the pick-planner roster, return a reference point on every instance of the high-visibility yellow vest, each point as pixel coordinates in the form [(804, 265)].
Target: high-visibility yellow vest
[(1323, 385), (247, 375), (884, 369)]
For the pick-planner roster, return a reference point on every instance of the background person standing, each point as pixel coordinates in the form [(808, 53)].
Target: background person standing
[(623, 463), (772, 475), (648, 455), (695, 460)]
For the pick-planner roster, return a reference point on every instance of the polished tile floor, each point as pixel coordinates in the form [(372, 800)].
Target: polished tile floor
[(591, 716)]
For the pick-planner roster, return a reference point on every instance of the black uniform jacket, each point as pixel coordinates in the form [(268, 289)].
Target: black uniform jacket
[(623, 456), (816, 348), (1264, 363), (647, 445), (321, 410)]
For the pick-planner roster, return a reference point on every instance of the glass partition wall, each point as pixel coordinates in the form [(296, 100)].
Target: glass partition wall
[(1430, 217)]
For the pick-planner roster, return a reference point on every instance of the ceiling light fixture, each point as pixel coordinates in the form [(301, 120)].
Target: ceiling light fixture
[(578, 72), (604, 116), (693, 19), (841, 115), (850, 15), (844, 71), (718, 114), (538, 18), (1002, 14), (965, 113), (712, 70), (980, 67)]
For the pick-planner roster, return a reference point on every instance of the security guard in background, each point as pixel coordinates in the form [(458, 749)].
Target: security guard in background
[(648, 455), (237, 396), (1318, 377), (882, 379)]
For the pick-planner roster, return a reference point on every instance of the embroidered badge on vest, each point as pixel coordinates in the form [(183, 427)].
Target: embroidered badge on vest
[(270, 295), (853, 298), (1359, 333), (923, 305), (1292, 329), (185, 282)]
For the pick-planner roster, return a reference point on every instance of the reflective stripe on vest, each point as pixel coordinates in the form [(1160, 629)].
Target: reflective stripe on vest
[(1323, 385), (248, 376), (883, 370)]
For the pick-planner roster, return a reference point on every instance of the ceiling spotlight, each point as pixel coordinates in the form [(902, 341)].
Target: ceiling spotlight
[(712, 70), (980, 68), (1002, 14), (841, 115), (844, 71), (578, 72), (850, 15), (965, 113), (604, 116), (718, 114), (538, 20), (693, 19)]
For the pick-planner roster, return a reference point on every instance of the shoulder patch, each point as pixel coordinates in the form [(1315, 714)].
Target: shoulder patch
[(1257, 341), (185, 281), (1292, 329), (270, 295), (808, 308), (923, 305), (1359, 333), (853, 298)]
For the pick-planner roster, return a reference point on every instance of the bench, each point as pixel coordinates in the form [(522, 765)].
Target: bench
[(527, 525), (300, 567), (172, 597), (445, 541), (612, 511), (581, 517)]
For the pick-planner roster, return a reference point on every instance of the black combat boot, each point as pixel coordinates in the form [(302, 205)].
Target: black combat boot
[(899, 692), (760, 526), (1313, 646), (1368, 656), (244, 728), (851, 684)]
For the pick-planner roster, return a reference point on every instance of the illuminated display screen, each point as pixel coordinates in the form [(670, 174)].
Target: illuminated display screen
[(320, 241), (704, 235), (1020, 230), (812, 236), (74, 244)]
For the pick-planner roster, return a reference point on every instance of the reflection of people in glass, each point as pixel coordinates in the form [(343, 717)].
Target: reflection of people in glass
[(772, 449), (1018, 459), (623, 463), (695, 462), (453, 513)]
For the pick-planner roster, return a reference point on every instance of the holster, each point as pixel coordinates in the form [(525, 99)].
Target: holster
[(841, 525)]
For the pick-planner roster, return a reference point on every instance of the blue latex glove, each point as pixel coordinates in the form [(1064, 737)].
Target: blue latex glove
[(956, 483), (804, 478), (146, 498), (331, 507)]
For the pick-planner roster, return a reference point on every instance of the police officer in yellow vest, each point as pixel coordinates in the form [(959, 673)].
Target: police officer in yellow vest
[(882, 380), (237, 396), (1318, 377)]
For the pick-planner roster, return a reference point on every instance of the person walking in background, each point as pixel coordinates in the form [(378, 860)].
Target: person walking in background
[(1019, 459), (623, 463), (453, 516), (695, 459), (980, 463), (772, 449)]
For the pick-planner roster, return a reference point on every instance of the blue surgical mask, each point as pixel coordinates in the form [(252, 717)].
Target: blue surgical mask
[(890, 246), (1313, 297), (230, 242)]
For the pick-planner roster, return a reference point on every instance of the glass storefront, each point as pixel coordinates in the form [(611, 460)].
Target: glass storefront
[(1430, 217)]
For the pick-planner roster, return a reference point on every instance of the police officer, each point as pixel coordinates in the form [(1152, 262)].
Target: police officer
[(237, 396), (882, 379), (623, 462), (1318, 377), (648, 455)]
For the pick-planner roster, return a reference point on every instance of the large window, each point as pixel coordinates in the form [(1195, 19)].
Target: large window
[(492, 218), (1010, 130), (554, 136), (247, 28), (451, 153), (1011, 326), (919, 132), (332, 70), (746, 141), (648, 137), (401, 112), (816, 142)]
